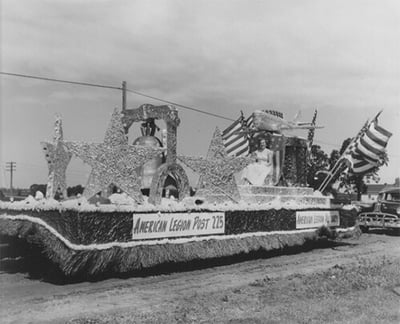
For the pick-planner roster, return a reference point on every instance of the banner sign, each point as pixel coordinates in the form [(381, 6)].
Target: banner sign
[(150, 226), (317, 218)]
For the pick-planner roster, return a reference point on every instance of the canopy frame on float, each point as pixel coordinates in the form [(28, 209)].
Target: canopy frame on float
[(170, 168)]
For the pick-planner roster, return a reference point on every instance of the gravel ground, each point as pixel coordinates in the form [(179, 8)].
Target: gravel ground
[(352, 281)]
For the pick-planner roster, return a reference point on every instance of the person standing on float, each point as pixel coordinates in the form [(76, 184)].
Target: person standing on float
[(256, 173)]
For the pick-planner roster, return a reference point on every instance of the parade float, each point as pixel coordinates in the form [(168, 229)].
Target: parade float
[(138, 210)]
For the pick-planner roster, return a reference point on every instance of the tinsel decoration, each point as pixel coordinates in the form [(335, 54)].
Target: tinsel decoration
[(115, 135), (218, 169), (96, 243), (113, 165), (132, 259), (177, 172), (215, 150), (57, 161), (295, 166), (114, 162), (167, 112)]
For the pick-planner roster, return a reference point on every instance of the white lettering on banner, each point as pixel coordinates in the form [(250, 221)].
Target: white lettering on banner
[(317, 218), (150, 226)]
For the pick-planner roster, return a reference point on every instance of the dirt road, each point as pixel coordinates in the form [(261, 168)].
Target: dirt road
[(356, 281)]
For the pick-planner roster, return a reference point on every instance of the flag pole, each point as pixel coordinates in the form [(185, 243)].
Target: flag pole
[(311, 131), (329, 178), (326, 181), (335, 168), (331, 174)]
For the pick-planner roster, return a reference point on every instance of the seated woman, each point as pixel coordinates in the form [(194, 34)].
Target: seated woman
[(257, 174)]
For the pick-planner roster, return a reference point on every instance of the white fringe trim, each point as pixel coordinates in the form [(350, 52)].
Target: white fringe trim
[(104, 246), (343, 230), (82, 205)]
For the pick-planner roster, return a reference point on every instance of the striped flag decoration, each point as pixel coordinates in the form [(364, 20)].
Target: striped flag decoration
[(361, 166), (249, 122), (236, 144), (366, 152)]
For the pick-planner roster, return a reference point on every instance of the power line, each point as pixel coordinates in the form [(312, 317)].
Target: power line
[(179, 105), (115, 88), (132, 91), (59, 80)]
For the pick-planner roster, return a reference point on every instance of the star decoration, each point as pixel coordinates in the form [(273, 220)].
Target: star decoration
[(114, 161), (215, 150), (115, 135), (113, 165), (218, 169), (57, 161)]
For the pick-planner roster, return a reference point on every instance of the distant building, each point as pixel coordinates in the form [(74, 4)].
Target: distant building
[(344, 198), (373, 190), (16, 193)]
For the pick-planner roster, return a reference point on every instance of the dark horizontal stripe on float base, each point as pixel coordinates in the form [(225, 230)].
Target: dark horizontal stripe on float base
[(104, 227)]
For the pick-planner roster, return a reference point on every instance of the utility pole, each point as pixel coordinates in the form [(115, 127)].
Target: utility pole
[(123, 95), (11, 167), (311, 131)]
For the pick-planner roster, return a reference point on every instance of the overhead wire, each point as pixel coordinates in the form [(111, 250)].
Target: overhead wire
[(75, 172), (59, 80), (131, 91), (116, 88), (180, 105)]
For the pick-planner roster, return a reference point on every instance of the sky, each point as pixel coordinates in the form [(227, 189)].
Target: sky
[(340, 57)]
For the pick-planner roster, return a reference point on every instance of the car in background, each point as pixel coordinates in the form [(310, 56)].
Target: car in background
[(384, 213)]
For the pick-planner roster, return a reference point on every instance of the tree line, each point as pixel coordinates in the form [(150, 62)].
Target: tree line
[(320, 163)]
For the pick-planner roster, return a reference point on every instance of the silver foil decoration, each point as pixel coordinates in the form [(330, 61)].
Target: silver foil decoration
[(218, 169), (113, 162), (115, 135), (57, 161)]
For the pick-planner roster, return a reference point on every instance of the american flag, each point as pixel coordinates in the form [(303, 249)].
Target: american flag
[(365, 153), (235, 137), (236, 140)]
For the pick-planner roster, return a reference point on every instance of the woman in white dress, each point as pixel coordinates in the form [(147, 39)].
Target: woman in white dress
[(256, 173)]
